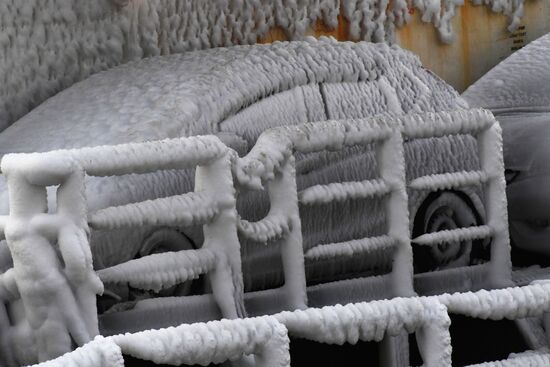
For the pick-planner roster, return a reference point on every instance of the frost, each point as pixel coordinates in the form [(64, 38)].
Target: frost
[(42, 50)]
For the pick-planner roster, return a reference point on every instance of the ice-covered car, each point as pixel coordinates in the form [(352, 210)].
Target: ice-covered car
[(517, 91), (237, 93)]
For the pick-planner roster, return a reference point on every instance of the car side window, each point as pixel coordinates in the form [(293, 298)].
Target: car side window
[(291, 107)]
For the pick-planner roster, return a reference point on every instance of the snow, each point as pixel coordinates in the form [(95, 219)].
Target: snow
[(48, 47)]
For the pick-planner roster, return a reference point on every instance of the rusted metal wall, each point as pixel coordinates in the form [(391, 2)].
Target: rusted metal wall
[(481, 42)]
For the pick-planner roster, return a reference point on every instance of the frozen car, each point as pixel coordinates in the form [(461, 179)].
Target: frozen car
[(517, 91), (237, 93)]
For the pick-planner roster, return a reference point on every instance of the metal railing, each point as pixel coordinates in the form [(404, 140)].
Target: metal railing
[(52, 250), (266, 337)]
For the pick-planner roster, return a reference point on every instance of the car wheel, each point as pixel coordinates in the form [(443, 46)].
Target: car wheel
[(167, 240), (118, 298), (440, 211)]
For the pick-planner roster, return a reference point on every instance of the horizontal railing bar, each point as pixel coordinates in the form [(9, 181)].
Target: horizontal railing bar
[(115, 160), (181, 210), (341, 191), (454, 235), (270, 228), (531, 358), (439, 124), (363, 246), (445, 181), (160, 271)]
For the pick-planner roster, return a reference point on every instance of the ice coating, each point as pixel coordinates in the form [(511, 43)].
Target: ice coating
[(47, 47), (372, 321), (160, 271), (212, 342), (362, 247), (63, 308), (529, 358), (510, 303), (270, 228), (183, 210), (267, 337), (271, 164), (343, 191), (99, 352), (448, 235)]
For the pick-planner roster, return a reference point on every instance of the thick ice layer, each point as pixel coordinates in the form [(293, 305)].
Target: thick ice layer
[(529, 358), (101, 351), (159, 271), (48, 46), (212, 342)]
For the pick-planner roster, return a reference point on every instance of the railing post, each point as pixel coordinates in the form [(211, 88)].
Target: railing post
[(391, 164), (284, 198), (220, 236), (55, 308), (490, 156)]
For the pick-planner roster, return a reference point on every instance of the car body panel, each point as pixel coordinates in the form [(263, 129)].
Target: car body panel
[(518, 93)]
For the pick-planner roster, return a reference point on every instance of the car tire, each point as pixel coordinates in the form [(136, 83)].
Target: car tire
[(169, 240), (445, 210)]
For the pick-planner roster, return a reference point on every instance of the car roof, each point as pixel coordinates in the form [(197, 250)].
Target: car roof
[(519, 83), (191, 93)]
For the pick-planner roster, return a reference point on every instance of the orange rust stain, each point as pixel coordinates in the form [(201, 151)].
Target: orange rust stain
[(274, 34), (406, 37)]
